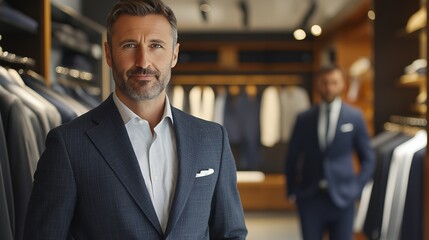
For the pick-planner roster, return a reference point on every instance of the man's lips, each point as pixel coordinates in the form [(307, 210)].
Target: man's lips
[(143, 76)]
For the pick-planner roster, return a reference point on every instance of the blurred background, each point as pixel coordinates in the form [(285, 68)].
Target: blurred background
[(249, 65)]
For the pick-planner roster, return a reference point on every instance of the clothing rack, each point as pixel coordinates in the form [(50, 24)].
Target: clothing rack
[(8, 57), (74, 73), (67, 82), (407, 125), (409, 121), (33, 74)]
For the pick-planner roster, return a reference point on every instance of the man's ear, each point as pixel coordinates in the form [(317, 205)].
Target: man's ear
[(108, 54), (175, 55)]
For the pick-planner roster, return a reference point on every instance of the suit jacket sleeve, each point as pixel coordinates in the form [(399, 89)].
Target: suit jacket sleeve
[(53, 198), (227, 218), (365, 153), (292, 157)]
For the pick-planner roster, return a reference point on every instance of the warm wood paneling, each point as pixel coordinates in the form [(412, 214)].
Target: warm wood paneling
[(269, 194), (351, 45)]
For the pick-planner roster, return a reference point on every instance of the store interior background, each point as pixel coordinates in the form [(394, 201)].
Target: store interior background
[(242, 43)]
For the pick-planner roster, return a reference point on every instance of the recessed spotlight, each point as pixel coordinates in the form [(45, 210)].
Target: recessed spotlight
[(299, 34), (371, 14), (316, 30), (205, 7)]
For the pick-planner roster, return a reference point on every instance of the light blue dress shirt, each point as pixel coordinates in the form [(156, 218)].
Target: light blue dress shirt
[(156, 155)]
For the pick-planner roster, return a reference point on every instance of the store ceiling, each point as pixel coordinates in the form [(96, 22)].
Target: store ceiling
[(259, 15)]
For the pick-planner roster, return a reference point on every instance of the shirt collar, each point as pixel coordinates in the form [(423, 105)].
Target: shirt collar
[(334, 105), (127, 114)]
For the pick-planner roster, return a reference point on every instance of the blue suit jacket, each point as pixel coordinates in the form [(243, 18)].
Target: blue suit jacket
[(89, 185), (307, 164)]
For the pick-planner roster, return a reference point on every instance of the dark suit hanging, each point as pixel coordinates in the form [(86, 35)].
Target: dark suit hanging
[(373, 220), (22, 149), (66, 112), (412, 223), (6, 200)]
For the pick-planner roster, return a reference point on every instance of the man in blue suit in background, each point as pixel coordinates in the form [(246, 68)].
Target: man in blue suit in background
[(319, 164), (135, 167)]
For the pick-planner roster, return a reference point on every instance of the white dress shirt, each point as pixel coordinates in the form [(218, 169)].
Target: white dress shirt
[(156, 155), (178, 97), (202, 101), (334, 115), (219, 108), (293, 100), (270, 116)]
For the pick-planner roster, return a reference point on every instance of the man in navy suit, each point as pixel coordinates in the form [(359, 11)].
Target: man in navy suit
[(319, 164), (135, 167)]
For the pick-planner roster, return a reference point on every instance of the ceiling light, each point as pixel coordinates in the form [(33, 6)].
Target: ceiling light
[(316, 30), (371, 14), (299, 34), (205, 7)]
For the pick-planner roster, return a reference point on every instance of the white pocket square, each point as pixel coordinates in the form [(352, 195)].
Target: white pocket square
[(204, 173), (348, 127)]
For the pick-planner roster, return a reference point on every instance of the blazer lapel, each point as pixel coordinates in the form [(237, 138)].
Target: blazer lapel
[(187, 141), (111, 139)]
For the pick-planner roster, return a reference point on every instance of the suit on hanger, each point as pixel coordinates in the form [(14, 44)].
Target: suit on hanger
[(241, 120), (6, 201), (307, 164), (412, 223), (22, 150), (88, 183), (66, 112), (374, 218), (29, 101)]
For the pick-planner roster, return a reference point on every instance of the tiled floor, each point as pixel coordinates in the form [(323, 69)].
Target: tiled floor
[(272, 226)]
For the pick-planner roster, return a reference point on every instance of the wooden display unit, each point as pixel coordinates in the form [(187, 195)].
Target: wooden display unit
[(269, 194), (39, 43)]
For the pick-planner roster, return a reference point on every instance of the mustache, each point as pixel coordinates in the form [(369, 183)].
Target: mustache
[(142, 71)]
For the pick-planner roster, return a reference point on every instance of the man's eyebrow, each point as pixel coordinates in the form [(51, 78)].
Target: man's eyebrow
[(126, 41), (157, 41)]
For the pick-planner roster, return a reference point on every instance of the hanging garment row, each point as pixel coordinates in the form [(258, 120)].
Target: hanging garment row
[(391, 205), (254, 117), (28, 111)]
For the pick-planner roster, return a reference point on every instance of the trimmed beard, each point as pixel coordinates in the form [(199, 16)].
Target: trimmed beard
[(139, 93)]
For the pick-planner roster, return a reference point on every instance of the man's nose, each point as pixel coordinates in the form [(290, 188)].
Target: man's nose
[(142, 58)]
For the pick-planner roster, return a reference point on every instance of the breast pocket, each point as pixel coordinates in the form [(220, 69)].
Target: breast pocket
[(204, 185)]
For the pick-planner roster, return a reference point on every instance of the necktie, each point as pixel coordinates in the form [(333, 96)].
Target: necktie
[(328, 117)]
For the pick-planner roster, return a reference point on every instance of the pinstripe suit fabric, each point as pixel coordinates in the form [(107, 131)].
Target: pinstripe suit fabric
[(88, 184)]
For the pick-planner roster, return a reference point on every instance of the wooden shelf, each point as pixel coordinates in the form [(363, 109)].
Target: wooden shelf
[(270, 194), (245, 67), (86, 45), (420, 108), (412, 80), (8, 25), (237, 79)]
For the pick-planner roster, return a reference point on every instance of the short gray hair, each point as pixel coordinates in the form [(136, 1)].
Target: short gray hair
[(140, 8)]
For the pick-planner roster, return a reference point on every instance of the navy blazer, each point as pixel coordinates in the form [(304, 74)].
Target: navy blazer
[(88, 183), (307, 163)]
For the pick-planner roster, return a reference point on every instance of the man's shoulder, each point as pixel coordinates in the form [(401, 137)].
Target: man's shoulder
[(89, 118), (184, 116), (186, 120), (309, 113), (350, 109)]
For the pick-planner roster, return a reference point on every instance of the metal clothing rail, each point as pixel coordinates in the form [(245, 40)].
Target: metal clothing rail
[(13, 58)]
